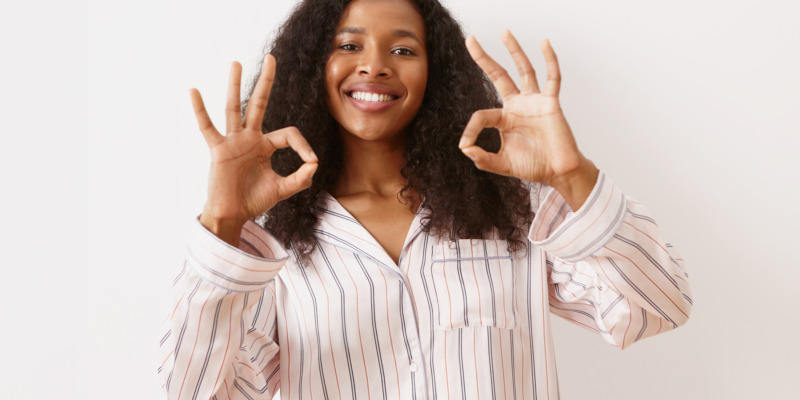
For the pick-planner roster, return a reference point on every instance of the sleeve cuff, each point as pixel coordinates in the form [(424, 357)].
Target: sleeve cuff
[(573, 236), (247, 269)]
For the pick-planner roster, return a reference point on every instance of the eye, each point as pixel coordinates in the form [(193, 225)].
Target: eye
[(348, 47), (403, 51)]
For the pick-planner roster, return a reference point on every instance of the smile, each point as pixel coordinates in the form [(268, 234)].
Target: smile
[(371, 97)]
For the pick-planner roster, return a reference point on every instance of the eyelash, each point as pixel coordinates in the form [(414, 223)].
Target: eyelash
[(406, 52), (402, 51)]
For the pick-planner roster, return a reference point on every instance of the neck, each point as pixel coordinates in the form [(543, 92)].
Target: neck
[(371, 167)]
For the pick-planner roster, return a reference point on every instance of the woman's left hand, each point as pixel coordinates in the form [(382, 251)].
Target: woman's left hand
[(537, 143)]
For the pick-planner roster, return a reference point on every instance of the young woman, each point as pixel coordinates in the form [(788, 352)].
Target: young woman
[(397, 254)]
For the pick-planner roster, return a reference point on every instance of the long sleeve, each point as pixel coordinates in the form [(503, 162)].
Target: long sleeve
[(609, 270), (220, 335)]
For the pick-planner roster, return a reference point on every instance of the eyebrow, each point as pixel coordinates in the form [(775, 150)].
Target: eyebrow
[(360, 31)]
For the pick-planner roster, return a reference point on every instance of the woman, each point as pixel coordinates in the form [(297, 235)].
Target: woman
[(399, 258)]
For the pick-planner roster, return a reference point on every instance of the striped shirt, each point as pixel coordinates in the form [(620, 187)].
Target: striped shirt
[(463, 319)]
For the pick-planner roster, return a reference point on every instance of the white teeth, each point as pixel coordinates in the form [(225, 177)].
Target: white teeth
[(365, 96)]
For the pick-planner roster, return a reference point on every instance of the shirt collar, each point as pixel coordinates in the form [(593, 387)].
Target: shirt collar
[(337, 227)]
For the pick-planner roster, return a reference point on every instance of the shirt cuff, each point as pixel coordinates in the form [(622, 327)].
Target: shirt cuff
[(573, 236), (250, 268)]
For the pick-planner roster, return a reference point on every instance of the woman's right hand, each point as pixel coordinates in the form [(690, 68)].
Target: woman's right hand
[(242, 183)]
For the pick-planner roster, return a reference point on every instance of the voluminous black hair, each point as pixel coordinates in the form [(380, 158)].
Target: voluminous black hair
[(463, 201)]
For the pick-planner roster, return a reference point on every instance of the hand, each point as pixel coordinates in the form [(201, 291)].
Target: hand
[(537, 143), (242, 183)]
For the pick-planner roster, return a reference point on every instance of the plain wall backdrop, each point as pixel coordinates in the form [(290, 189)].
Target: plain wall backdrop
[(692, 107)]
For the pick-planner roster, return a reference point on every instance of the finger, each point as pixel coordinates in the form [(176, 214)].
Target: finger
[(480, 119), (527, 74), (297, 181), (210, 133), (487, 161), (553, 84), (291, 137), (233, 110), (260, 98), (505, 86)]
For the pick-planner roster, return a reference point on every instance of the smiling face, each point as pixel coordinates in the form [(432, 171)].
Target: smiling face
[(376, 73)]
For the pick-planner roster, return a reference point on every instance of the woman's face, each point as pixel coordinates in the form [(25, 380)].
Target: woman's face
[(376, 73)]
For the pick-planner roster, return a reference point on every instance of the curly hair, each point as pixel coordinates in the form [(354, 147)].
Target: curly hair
[(463, 202)]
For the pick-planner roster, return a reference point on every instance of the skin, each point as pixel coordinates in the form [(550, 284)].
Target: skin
[(537, 143), (241, 182), (380, 43)]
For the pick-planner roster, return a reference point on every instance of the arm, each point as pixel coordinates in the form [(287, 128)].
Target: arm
[(608, 267), (220, 335)]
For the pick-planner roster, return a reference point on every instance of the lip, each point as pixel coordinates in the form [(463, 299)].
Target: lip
[(371, 106)]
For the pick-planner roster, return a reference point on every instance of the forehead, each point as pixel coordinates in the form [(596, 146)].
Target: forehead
[(382, 14)]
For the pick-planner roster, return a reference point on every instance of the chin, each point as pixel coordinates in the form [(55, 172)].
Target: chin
[(369, 132)]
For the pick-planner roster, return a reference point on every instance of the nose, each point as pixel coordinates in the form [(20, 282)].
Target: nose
[(374, 63)]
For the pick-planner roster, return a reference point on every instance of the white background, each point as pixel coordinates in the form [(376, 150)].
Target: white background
[(693, 107)]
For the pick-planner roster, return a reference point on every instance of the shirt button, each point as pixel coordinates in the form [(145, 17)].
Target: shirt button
[(413, 367)]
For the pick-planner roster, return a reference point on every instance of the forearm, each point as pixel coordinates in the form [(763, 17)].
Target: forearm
[(229, 231), (214, 295), (576, 186), (614, 249)]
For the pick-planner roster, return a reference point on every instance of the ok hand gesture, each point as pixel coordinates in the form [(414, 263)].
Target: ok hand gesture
[(242, 183), (537, 143)]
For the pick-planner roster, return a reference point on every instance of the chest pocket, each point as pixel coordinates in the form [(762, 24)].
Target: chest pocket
[(474, 284)]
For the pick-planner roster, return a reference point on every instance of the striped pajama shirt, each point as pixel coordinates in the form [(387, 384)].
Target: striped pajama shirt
[(463, 319)]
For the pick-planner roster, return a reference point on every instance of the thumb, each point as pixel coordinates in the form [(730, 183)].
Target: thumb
[(297, 181)]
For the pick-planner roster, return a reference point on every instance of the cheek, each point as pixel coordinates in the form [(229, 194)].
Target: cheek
[(420, 83), (423, 83), (332, 76)]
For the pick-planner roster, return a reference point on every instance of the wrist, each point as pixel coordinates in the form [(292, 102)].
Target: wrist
[(227, 229), (576, 185)]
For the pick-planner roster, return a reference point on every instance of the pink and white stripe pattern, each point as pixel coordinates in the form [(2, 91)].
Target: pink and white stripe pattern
[(462, 319)]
